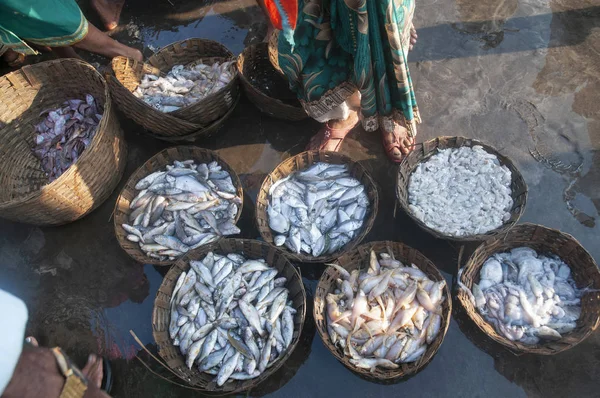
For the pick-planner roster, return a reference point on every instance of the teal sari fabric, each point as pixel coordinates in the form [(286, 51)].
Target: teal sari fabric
[(341, 46)]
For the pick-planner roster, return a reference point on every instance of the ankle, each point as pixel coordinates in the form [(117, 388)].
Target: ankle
[(349, 122)]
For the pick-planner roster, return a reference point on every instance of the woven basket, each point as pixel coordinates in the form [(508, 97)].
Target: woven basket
[(545, 241), (429, 148), (204, 133), (357, 258), (127, 73), (26, 195), (301, 162), (254, 66), (161, 313), (156, 163)]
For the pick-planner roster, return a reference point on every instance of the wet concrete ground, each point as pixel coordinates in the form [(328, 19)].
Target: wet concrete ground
[(520, 75)]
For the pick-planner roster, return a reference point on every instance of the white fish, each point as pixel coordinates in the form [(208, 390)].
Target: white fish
[(178, 207), (306, 209)]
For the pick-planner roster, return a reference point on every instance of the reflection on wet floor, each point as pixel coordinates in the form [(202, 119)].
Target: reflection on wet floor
[(520, 75)]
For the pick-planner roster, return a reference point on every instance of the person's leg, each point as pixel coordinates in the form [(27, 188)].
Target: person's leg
[(397, 142), (109, 11), (100, 43), (65, 52)]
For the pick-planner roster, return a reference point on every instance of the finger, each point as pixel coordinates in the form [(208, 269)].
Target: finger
[(410, 47)]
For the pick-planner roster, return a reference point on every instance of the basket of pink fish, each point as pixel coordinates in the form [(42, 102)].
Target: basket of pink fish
[(383, 310), (534, 290), (63, 151), (185, 90)]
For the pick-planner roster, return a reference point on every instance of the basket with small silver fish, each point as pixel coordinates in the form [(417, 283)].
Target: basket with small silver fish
[(535, 290), (316, 205), (383, 310), (460, 189), (180, 76), (180, 199), (228, 315)]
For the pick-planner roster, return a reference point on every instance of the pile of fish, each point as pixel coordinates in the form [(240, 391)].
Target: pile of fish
[(65, 133), (184, 85), (527, 297), (386, 315), (318, 210), (231, 317), (461, 191), (186, 206)]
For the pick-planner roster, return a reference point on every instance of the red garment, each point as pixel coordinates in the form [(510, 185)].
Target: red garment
[(291, 10)]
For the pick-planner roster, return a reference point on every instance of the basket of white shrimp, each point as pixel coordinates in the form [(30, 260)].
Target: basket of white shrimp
[(227, 316), (535, 290), (461, 189), (383, 310)]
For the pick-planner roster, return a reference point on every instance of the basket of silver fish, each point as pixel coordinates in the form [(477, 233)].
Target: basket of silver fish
[(182, 89), (316, 205), (461, 189), (180, 199), (265, 87), (229, 315), (535, 290), (383, 310), (64, 151)]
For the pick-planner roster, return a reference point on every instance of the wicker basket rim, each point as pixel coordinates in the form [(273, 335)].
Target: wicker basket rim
[(184, 108), (117, 227), (201, 130), (367, 224), (503, 159), (511, 346), (393, 373), (242, 59), (101, 126), (216, 247)]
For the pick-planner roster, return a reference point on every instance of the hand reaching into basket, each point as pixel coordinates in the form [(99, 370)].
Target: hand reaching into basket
[(58, 26)]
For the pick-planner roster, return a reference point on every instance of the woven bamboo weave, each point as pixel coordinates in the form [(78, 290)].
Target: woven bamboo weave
[(26, 195), (254, 65), (157, 163), (161, 313), (429, 148), (358, 258), (545, 241), (301, 162), (187, 121)]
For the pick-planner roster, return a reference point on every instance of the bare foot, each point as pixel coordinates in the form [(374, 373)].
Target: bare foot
[(413, 38), (109, 12), (332, 134), (93, 370), (397, 143)]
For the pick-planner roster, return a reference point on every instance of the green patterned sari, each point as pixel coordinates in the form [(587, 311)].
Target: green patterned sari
[(52, 23), (341, 46)]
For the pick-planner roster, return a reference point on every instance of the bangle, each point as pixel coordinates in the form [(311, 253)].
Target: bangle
[(75, 383)]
